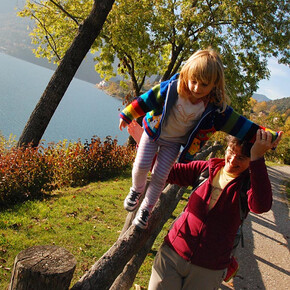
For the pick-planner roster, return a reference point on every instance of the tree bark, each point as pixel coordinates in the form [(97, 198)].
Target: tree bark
[(104, 272), (43, 268), (133, 244), (125, 280), (64, 73)]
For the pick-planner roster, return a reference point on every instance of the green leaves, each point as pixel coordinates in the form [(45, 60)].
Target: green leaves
[(56, 25), (145, 38)]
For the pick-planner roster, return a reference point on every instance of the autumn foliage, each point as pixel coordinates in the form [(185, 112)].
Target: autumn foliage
[(30, 172), (277, 118)]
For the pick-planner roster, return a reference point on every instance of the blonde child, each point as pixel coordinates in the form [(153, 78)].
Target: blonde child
[(183, 111)]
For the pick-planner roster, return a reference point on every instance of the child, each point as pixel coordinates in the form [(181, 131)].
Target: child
[(185, 110)]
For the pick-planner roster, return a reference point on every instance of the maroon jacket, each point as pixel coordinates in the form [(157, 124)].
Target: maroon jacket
[(203, 237)]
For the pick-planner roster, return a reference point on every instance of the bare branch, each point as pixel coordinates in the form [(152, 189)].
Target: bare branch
[(48, 37), (65, 12)]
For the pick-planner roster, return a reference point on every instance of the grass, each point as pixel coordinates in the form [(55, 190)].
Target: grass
[(271, 163), (84, 220)]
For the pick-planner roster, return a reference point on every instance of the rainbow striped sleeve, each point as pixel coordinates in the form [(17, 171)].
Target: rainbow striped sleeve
[(151, 100), (240, 127)]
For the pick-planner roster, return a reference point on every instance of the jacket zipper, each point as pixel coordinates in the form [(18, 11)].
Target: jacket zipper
[(163, 112)]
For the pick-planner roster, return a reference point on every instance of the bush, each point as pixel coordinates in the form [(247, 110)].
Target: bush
[(77, 164), (24, 174), (282, 153), (107, 159), (27, 172)]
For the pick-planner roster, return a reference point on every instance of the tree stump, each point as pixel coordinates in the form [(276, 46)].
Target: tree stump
[(43, 268)]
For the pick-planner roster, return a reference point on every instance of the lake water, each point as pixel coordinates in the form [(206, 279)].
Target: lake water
[(84, 111)]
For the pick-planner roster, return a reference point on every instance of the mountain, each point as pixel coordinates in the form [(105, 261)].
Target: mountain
[(261, 98), (281, 105)]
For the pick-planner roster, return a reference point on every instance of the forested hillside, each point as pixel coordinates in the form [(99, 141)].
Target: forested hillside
[(280, 105)]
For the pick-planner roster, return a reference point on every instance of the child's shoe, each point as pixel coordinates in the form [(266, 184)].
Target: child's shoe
[(132, 200), (232, 269), (141, 219)]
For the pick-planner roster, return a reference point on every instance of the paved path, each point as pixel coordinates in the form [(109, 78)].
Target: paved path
[(265, 259)]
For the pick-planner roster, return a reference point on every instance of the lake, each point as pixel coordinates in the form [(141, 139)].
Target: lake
[(84, 112)]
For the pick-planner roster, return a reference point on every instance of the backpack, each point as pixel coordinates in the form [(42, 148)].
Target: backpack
[(243, 203)]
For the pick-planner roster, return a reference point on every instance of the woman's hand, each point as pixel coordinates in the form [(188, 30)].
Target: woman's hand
[(263, 143), (135, 130)]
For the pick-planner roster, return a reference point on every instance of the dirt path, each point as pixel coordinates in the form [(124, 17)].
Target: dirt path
[(265, 259)]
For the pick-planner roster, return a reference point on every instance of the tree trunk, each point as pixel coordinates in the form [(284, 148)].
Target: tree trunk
[(127, 277), (43, 268), (64, 73), (104, 272), (175, 54), (125, 280), (133, 245), (209, 151)]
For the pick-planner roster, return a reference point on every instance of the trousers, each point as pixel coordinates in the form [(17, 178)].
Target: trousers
[(172, 272)]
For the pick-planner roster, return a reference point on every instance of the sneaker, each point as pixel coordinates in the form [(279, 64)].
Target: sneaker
[(141, 219), (132, 200), (233, 269)]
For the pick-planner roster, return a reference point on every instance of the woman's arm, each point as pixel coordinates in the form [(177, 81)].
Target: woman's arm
[(185, 174), (260, 194)]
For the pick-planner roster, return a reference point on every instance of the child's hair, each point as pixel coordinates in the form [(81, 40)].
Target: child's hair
[(205, 66)]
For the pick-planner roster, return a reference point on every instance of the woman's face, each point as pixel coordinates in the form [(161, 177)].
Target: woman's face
[(199, 89), (235, 161)]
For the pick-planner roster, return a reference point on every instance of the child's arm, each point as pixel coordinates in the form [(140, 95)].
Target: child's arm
[(239, 126), (228, 121), (152, 100)]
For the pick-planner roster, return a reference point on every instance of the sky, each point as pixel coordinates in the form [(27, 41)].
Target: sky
[(276, 87)]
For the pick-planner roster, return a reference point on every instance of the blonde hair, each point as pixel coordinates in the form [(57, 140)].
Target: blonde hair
[(205, 66)]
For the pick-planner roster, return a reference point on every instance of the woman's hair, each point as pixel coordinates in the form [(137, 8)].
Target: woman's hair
[(205, 66), (245, 145)]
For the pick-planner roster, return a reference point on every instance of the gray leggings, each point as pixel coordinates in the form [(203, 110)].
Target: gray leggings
[(167, 154)]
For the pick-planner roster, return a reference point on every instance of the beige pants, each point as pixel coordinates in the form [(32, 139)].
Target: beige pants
[(172, 272)]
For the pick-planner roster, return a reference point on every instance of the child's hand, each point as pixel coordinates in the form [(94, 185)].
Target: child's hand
[(135, 130), (122, 124)]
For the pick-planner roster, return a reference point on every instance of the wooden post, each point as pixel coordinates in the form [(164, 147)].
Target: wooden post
[(43, 268)]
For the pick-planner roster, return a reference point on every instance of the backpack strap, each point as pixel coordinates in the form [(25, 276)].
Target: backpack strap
[(201, 179), (243, 203), (243, 197)]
